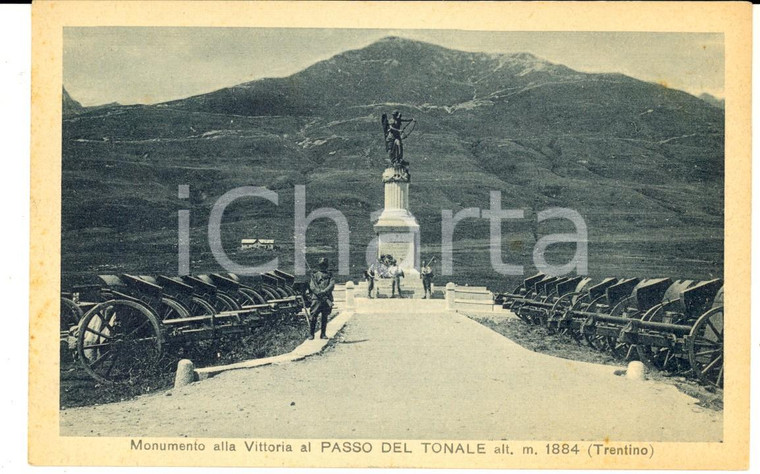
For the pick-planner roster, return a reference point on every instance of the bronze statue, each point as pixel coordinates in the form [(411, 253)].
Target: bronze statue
[(394, 131)]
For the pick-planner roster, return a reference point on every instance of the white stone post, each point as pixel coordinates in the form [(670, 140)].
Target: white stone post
[(636, 371), (185, 373), (450, 291), (350, 302)]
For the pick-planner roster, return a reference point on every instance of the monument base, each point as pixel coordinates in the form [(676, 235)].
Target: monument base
[(398, 235), (411, 287)]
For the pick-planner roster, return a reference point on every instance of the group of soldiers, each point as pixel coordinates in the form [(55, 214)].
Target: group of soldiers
[(322, 284), (384, 267), (387, 267)]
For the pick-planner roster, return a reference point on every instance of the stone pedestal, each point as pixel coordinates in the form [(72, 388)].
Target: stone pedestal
[(398, 233)]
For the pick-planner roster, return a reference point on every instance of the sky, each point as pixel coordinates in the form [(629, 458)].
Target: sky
[(148, 65)]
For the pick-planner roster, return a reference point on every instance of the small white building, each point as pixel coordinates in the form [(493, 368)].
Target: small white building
[(248, 244)]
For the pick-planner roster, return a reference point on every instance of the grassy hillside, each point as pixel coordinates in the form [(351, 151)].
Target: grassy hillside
[(643, 164)]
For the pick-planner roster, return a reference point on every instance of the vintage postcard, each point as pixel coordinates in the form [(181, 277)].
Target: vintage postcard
[(358, 234)]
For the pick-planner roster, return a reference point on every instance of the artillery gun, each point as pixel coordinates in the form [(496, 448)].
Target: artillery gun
[(672, 326), (129, 321)]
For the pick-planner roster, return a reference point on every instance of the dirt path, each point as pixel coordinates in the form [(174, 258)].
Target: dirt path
[(398, 374)]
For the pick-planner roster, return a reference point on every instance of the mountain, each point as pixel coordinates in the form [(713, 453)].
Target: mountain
[(71, 106), (643, 164), (434, 79), (712, 100)]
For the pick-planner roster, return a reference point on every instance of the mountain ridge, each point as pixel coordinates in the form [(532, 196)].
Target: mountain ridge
[(456, 79), (637, 160), (712, 100), (70, 106)]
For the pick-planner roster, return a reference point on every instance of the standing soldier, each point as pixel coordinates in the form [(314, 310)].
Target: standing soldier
[(370, 275), (426, 274), (396, 273), (321, 286)]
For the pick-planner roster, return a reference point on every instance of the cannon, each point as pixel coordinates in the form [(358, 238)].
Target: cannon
[(705, 343), (522, 290), (675, 334), (75, 303), (124, 334), (669, 338), (672, 326), (71, 312), (272, 288), (587, 297), (548, 298), (533, 291), (626, 301)]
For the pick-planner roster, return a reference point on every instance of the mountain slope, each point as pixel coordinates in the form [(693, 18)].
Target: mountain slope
[(641, 163), (71, 106), (712, 100)]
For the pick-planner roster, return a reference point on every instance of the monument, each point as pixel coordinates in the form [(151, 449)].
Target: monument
[(397, 230)]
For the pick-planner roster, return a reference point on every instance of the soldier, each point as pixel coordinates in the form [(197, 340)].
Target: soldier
[(426, 274), (396, 273), (370, 274), (321, 286)]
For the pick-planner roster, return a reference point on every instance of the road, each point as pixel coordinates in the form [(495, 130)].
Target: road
[(412, 370)]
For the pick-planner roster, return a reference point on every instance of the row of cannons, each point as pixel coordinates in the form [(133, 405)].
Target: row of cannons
[(120, 326), (672, 326)]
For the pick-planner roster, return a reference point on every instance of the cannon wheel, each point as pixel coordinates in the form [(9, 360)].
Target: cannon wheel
[(658, 357), (562, 305), (705, 347), (519, 289), (598, 342), (254, 296), (200, 307), (251, 297), (622, 350), (172, 309), (621, 309), (516, 308), (594, 341), (223, 302), (661, 358), (71, 314), (119, 340), (591, 307), (269, 293), (527, 296), (619, 350)]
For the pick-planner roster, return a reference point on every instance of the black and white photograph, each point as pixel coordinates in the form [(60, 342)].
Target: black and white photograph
[(449, 247)]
